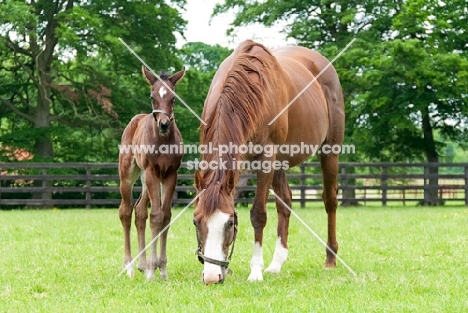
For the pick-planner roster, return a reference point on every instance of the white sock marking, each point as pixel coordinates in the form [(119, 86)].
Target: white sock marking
[(256, 264), (279, 257)]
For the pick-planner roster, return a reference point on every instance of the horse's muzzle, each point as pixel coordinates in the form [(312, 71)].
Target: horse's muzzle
[(164, 126), (164, 123)]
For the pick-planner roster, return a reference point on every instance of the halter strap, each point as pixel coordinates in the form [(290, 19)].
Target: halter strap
[(169, 115), (223, 264)]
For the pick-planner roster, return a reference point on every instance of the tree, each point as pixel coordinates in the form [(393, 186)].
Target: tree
[(65, 69)]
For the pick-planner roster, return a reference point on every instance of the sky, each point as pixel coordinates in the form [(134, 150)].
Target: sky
[(200, 28)]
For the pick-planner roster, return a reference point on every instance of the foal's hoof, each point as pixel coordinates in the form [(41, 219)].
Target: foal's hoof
[(330, 265), (128, 268), (130, 273), (150, 275)]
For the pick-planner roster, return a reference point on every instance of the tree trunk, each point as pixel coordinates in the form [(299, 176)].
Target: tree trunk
[(42, 116), (431, 196)]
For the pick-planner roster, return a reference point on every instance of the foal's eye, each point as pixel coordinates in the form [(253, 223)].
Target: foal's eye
[(151, 97), (173, 100), (230, 224)]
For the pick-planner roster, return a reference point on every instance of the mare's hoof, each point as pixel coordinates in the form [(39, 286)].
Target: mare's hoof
[(330, 265)]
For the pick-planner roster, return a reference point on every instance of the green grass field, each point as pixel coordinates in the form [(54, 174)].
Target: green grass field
[(407, 260)]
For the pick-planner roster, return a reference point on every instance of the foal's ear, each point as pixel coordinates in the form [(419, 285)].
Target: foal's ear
[(230, 181), (177, 76), (198, 181), (150, 78)]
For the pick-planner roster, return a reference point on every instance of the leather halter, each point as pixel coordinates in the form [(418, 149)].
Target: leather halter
[(223, 264), (169, 115)]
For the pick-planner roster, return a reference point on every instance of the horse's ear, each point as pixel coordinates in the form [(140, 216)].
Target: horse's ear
[(177, 76), (230, 181), (198, 181), (150, 78)]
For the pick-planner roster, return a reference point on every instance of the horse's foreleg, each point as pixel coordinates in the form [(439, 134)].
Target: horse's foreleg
[(156, 219), (329, 164), (127, 179), (282, 190), (258, 218), (141, 216), (168, 188)]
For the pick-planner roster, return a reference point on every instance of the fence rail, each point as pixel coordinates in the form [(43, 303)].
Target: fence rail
[(88, 185)]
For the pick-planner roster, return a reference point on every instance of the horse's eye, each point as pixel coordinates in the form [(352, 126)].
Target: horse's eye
[(230, 224), (151, 97), (195, 222), (173, 100)]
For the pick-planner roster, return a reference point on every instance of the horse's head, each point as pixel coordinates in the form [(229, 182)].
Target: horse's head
[(215, 221), (163, 98)]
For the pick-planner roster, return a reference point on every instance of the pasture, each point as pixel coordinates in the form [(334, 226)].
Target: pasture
[(406, 259)]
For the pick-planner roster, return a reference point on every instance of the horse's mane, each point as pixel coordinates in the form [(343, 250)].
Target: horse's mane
[(239, 110)]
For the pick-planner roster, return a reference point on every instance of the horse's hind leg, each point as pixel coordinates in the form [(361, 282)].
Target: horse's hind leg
[(168, 188), (329, 164), (128, 174), (141, 216), (282, 190)]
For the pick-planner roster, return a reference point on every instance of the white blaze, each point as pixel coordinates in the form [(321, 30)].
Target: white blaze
[(214, 245), (162, 92)]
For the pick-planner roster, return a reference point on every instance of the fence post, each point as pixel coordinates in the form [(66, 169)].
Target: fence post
[(466, 184), (343, 184), (44, 186), (175, 197), (426, 185), (88, 187), (383, 182), (303, 186)]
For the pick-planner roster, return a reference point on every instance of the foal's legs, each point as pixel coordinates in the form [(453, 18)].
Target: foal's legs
[(168, 188), (154, 188), (258, 218), (128, 173), (329, 164), (141, 216), (282, 190)]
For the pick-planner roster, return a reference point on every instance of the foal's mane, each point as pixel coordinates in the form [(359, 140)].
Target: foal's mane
[(239, 110)]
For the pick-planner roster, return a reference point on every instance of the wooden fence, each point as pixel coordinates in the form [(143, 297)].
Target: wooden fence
[(89, 185)]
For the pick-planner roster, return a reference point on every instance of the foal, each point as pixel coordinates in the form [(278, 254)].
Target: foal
[(158, 172)]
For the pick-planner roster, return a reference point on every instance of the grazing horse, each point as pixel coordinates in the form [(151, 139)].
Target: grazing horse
[(158, 172), (252, 87)]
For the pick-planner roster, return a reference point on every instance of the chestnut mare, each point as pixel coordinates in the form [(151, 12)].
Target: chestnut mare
[(158, 173), (249, 90)]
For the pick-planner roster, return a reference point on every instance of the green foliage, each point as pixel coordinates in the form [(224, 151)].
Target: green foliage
[(68, 83)]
